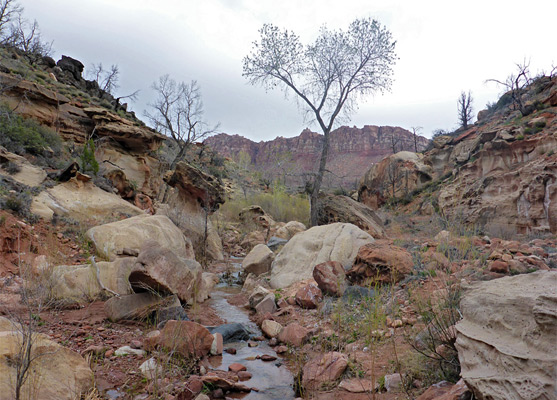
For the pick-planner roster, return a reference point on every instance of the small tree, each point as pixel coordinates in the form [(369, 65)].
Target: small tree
[(464, 107), (328, 76), (10, 10), (515, 84), (106, 79), (178, 113), (415, 132), (88, 160)]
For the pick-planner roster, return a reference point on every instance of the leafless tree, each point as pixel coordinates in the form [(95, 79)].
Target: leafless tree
[(178, 113), (465, 109), (415, 132), (106, 79), (10, 10), (27, 36), (515, 84), (328, 76), (394, 140)]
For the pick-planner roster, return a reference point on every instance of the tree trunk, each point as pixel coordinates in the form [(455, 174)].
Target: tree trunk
[(314, 196)]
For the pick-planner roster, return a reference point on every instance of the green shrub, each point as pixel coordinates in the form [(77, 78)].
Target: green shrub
[(520, 136), (12, 168), (282, 206), (88, 161), (20, 135)]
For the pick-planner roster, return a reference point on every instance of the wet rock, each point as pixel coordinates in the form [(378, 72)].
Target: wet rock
[(175, 312), (507, 337), (309, 296), (231, 332), (244, 375), (267, 358), (258, 261), (294, 334), (237, 367), (184, 337), (231, 350), (323, 369), (335, 242), (330, 277), (217, 346), (382, 263), (271, 328)]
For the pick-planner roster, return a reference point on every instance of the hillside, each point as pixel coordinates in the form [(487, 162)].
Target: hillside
[(500, 175), (292, 159)]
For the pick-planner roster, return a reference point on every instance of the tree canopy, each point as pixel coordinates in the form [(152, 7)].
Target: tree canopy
[(328, 76)]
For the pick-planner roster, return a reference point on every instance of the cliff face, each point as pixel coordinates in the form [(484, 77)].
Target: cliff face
[(500, 174), (352, 150)]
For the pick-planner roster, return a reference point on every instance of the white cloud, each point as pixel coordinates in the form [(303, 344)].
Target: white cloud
[(444, 47)]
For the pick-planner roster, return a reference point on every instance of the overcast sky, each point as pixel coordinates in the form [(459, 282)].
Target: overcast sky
[(444, 47)]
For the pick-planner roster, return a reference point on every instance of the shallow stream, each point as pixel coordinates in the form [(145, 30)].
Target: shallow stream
[(272, 379)]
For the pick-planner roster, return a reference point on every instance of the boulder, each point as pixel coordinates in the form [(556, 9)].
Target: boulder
[(26, 174), (267, 305), (335, 242), (394, 176), (291, 228), (197, 195), (309, 296), (294, 334), (275, 242), (447, 391), (131, 233), (256, 295), (506, 339), (257, 217), (137, 305), (271, 328), (323, 370), (155, 269), (258, 261), (345, 209), (159, 269), (83, 202), (186, 338), (56, 372), (330, 277), (380, 263), (231, 332)]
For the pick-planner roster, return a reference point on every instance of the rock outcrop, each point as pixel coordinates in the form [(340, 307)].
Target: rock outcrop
[(26, 174), (82, 201), (335, 242), (56, 372), (111, 239), (351, 150), (395, 176), (345, 209), (506, 339), (197, 196)]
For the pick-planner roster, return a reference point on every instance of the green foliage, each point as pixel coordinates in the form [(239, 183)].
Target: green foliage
[(520, 136), (20, 135), (282, 206), (88, 160)]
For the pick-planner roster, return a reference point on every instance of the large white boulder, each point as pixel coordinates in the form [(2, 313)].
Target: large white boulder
[(335, 242), (82, 201), (55, 373), (131, 233), (507, 339)]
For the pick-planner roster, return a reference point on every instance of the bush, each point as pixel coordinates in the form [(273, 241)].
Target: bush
[(12, 168), (20, 135), (282, 206), (88, 160)]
